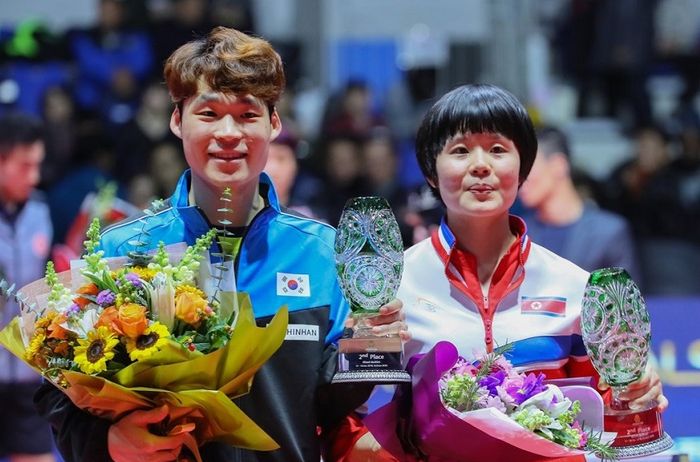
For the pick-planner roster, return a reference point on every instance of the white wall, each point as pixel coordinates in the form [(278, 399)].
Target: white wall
[(56, 14)]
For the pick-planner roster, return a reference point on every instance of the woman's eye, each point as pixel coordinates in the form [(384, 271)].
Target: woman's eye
[(498, 149), (459, 150), (207, 113), (249, 115)]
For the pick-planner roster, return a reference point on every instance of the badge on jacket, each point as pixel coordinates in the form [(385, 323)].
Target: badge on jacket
[(548, 306), (293, 285)]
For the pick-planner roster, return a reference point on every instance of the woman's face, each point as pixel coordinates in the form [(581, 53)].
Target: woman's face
[(477, 174)]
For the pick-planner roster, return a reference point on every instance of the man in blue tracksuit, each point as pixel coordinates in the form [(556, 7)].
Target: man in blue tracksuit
[(25, 240), (225, 86)]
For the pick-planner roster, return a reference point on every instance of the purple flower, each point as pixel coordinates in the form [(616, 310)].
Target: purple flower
[(73, 310), (493, 380), (531, 385), (133, 278), (583, 436), (106, 298)]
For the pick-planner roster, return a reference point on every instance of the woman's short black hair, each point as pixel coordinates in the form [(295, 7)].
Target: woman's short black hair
[(478, 108)]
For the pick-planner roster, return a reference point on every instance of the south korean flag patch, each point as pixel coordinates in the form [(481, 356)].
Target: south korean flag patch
[(293, 285)]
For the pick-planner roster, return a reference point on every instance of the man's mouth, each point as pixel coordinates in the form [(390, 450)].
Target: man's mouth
[(228, 155)]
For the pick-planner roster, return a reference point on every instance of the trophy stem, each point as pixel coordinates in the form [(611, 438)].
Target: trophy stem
[(618, 403), (362, 328)]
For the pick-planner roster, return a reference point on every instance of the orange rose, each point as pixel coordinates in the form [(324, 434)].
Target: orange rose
[(110, 319), (87, 289), (190, 307), (132, 319)]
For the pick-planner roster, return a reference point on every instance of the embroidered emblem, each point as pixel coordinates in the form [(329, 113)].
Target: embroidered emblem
[(293, 285), (548, 306)]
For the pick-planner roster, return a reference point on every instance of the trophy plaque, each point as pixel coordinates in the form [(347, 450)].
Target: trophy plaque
[(369, 262), (617, 332)]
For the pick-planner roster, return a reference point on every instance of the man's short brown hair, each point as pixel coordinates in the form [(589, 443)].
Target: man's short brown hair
[(227, 61)]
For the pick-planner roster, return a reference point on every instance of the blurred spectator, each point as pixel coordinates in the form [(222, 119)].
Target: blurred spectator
[(673, 195), (112, 63), (423, 214), (351, 113), (678, 42), (380, 165), (563, 222), (283, 168), (150, 126), (25, 238), (612, 43), (142, 191), (627, 190), (167, 162), (343, 177), (233, 13), (186, 19), (59, 114), (103, 205), (94, 166)]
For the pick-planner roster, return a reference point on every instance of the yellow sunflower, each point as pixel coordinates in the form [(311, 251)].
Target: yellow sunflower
[(34, 345), (92, 353), (145, 345)]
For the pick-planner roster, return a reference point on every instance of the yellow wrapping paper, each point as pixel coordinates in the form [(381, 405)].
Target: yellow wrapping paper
[(196, 388)]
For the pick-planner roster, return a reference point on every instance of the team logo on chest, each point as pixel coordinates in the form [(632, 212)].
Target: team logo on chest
[(293, 285), (547, 306)]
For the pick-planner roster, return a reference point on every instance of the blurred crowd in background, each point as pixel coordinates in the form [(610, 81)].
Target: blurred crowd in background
[(99, 91)]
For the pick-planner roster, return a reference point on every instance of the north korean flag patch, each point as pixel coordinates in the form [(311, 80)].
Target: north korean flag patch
[(548, 306)]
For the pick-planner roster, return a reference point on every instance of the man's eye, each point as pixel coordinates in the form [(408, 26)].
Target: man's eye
[(250, 115), (207, 113)]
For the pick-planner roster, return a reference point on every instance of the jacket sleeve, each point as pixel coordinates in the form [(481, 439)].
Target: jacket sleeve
[(79, 436)]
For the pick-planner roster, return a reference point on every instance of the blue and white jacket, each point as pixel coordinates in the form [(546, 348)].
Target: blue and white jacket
[(25, 243), (283, 259)]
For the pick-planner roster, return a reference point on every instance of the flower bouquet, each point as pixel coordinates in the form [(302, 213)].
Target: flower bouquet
[(486, 410), (140, 333)]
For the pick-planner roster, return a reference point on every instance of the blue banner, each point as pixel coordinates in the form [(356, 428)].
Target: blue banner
[(675, 330)]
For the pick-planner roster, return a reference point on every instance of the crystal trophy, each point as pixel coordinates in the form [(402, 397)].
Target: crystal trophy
[(617, 333), (369, 262)]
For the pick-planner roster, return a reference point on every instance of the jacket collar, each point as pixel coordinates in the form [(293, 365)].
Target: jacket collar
[(180, 198), (444, 240), (192, 215)]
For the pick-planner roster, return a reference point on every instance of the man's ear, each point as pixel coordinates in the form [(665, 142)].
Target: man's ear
[(560, 164), (276, 124), (176, 122)]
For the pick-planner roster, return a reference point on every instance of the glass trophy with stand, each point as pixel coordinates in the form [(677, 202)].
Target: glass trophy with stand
[(369, 262), (617, 332)]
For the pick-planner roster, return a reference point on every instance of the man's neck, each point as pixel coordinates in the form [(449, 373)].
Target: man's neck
[(563, 207), (245, 202)]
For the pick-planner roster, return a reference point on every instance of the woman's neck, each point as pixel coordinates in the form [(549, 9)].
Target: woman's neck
[(245, 202), (488, 239)]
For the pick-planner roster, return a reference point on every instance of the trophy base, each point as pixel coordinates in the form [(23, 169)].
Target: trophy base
[(370, 359), (644, 449), (379, 377), (639, 432)]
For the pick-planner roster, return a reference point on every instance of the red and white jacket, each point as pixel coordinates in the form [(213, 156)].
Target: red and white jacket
[(534, 303)]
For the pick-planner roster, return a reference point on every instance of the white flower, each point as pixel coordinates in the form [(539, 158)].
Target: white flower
[(162, 294), (81, 325), (551, 401)]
